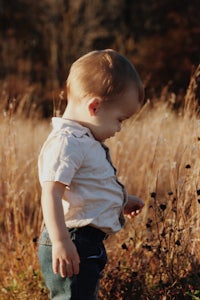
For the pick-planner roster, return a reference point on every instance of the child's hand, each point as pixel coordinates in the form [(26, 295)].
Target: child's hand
[(134, 206), (65, 258)]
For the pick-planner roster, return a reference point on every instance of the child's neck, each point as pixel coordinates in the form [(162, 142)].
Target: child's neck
[(71, 113)]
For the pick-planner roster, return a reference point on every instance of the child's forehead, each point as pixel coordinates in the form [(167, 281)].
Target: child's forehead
[(128, 101), (130, 94)]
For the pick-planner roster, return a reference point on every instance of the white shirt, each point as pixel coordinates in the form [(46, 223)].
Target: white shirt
[(93, 195)]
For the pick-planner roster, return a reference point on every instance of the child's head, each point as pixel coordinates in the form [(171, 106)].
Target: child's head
[(105, 89), (103, 73)]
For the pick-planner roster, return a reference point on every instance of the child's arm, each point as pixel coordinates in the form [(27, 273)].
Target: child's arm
[(134, 206), (64, 254)]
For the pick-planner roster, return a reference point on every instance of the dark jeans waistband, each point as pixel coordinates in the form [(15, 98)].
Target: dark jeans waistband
[(88, 231), (91, 232)]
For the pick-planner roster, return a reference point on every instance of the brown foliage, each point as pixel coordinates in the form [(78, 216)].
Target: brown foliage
[(40, 40)]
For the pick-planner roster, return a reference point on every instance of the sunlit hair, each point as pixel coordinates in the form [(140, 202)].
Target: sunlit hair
[(103, 73)]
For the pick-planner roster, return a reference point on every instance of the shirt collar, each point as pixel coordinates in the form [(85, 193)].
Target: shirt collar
[(70, 126)]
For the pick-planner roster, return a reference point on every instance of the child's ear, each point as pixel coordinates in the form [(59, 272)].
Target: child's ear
[(94, 105)]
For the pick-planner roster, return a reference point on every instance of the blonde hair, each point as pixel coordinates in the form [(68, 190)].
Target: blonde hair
[(103, 73)]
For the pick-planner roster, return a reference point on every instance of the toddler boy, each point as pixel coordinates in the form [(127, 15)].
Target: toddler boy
[(82, 200)]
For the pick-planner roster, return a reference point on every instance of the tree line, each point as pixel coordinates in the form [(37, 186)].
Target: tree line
[(40, 39)]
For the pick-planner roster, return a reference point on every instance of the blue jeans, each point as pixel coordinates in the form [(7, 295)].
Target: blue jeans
[(83, 286)]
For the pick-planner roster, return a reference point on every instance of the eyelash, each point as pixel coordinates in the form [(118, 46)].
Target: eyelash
[(121, 120)]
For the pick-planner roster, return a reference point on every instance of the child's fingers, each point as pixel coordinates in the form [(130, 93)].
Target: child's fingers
[(75, 265), (66, 269), (63, 269), (135, 213), (69, 268), (55, 265)]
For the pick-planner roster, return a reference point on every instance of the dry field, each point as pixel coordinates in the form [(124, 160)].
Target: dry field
[(157, 255)]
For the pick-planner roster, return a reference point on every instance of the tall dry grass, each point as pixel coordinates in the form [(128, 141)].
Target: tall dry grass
[(158, 159), (156, 255)]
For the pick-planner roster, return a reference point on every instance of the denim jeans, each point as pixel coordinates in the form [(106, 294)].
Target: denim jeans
[(83, 286)]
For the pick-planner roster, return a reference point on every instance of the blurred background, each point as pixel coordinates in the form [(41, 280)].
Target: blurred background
[(39, 40), (157, 256)]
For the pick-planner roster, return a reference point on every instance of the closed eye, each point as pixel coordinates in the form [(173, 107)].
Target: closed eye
[(122, 119)]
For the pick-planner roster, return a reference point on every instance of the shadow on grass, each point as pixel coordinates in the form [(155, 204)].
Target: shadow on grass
[(132, 286)]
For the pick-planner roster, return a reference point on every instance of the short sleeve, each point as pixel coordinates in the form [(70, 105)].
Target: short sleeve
[(60, 158)]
